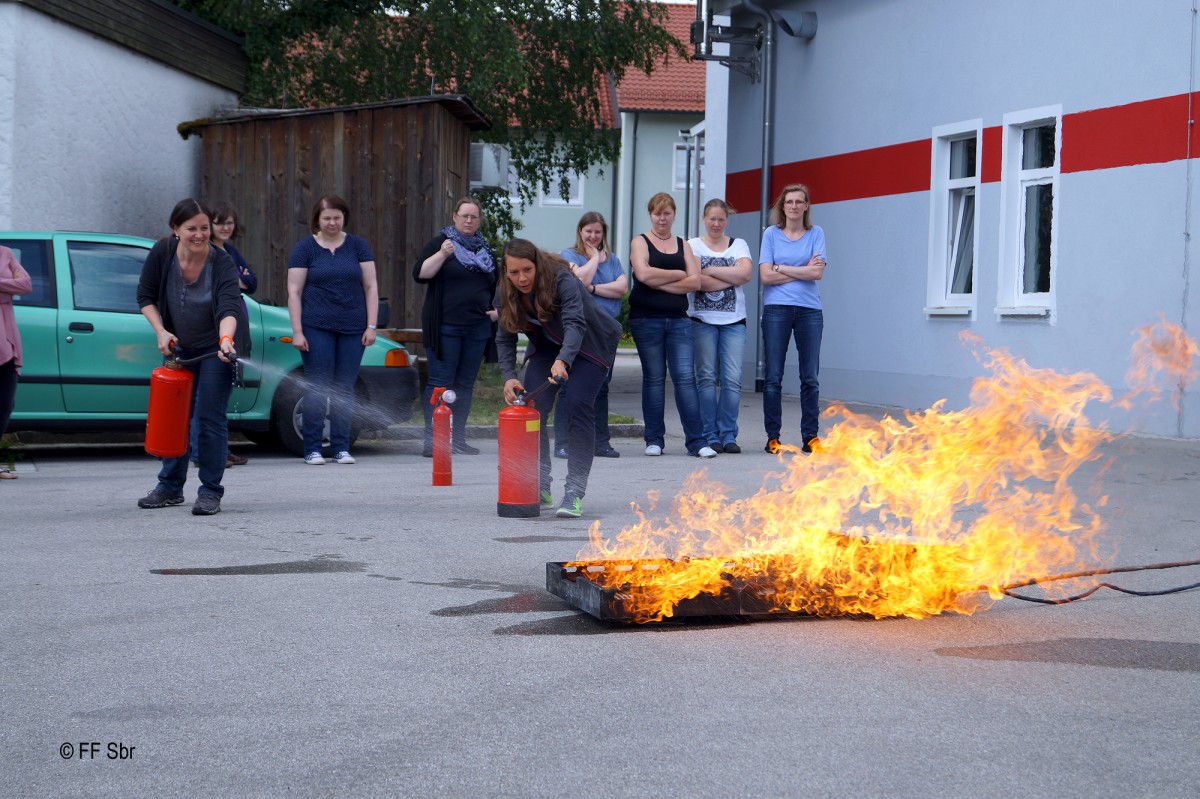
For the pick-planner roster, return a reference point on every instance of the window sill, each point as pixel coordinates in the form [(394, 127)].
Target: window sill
[(1037, 311), (948, 310)]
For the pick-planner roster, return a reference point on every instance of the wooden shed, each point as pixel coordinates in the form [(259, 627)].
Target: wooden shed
[(400, 165)]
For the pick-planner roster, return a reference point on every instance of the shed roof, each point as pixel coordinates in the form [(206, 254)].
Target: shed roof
[(460, 106)]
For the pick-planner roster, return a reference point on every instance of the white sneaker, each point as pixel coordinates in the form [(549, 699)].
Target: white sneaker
[(344, 457), (706, 452), (654, 449), (314, 459)]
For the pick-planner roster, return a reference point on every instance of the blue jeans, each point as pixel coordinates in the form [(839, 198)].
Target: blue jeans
[(666, 344), (330, 371), (456, 366), (211, 386), (719, 350), (779, 324)]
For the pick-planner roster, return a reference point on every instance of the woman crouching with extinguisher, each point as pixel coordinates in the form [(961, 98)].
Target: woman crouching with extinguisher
[(570, 338), (189, 293)]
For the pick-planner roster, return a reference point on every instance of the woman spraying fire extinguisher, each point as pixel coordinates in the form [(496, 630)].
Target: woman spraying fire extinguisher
[(570, 338), (188, 291)]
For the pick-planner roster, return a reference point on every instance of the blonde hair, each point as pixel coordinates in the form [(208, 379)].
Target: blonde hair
[(777, 217)]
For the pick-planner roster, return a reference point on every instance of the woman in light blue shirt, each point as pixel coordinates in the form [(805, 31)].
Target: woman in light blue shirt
[(791, 262)]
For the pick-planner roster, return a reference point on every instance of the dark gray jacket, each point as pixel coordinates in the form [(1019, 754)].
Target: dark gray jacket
[(581, 329)]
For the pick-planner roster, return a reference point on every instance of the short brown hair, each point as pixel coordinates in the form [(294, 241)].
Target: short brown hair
[(330, 202)]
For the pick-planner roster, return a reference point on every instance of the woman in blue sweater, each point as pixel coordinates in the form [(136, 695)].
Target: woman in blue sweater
[(791, 262), (333, 299)]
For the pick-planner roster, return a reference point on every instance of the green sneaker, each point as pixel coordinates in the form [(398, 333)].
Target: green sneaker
[(571, 507), (547, 500)]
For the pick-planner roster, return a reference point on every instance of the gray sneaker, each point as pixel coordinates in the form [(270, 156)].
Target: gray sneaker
[(571, 507), (206, 505), (160, 499)]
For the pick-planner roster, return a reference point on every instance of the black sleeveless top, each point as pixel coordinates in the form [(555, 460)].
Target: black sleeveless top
[(645, 301)]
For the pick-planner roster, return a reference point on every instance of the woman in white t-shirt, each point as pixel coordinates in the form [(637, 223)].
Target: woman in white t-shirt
[(718, 314)]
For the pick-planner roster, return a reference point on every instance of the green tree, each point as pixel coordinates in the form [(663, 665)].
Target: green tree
[(536, 68)]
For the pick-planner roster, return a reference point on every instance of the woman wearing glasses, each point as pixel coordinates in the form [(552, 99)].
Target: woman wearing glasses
[(460, 274), (791, 262)]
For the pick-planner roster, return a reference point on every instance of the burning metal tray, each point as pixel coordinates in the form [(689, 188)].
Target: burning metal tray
[(615, 604)]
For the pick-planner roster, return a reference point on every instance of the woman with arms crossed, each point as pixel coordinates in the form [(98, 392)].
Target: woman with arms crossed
[(791, 261), (664, 272), (14, 281), (718, 312)]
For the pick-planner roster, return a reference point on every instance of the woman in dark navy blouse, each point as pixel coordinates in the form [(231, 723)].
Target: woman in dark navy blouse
[(332, 300)]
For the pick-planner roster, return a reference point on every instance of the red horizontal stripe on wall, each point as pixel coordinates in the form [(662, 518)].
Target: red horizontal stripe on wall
[(1149, 132), (894, 169), (992, 154)]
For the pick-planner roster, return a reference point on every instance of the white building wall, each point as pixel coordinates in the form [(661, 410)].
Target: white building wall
[(647, 167), (87, 130), (888, 72), (552, 226)]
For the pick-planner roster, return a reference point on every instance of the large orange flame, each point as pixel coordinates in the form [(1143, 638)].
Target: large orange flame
[(891, 518)]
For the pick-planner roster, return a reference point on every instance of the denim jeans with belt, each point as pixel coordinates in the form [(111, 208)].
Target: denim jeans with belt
[(212, 383), (781, 323), (666, 344), (719, 350)]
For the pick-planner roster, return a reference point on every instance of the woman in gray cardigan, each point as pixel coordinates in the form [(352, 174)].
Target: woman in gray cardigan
[(570, 338)]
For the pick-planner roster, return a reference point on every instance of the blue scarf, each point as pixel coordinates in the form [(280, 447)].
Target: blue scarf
[(472, 252)]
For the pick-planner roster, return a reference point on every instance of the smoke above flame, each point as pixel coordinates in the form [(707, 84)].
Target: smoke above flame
[(934, 512)]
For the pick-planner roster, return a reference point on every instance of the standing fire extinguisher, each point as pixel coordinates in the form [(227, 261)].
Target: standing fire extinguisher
[(169, 414), (443, 398), (518, 440)]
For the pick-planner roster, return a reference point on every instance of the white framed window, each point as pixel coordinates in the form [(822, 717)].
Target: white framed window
[(1029, 197), (953, 210), (685, 172), (574, 190)]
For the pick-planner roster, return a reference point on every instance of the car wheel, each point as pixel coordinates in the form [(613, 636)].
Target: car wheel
[(287, 417)]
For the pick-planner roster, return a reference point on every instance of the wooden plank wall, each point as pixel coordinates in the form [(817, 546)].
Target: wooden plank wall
[(400, 169)]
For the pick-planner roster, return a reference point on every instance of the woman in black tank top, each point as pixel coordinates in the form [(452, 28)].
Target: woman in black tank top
[(664, 272)]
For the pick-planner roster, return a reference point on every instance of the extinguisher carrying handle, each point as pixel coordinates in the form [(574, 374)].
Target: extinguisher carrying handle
[(526, 396)]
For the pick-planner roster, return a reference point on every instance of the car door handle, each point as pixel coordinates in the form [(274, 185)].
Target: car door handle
[(80, 327)]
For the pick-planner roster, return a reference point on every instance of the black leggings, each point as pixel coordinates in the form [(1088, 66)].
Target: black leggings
[(8, 392)]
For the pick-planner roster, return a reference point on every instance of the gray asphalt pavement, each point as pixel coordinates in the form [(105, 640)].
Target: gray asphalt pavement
[(354, 631)]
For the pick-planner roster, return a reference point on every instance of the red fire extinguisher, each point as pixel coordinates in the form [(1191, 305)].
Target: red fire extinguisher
[(169, 414), (442, 470), (518, 438), (170, 410)]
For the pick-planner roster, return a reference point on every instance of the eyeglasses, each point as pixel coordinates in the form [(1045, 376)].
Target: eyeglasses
[(468, 217)]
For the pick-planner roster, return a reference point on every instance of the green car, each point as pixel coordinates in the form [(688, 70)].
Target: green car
[(89, 351)]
